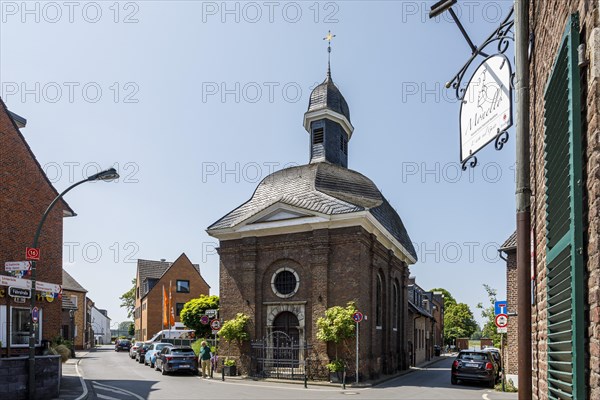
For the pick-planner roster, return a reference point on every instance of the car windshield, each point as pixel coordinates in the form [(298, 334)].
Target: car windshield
[(473, 356), (161, 346)]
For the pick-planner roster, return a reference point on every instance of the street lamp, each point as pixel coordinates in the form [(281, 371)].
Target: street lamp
[(106, 175)]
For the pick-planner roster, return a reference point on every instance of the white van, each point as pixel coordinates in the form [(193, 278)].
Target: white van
[(173, 334)]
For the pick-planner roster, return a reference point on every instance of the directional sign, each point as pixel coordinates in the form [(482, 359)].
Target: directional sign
[(215, 324), (15, 282), (18, 292), (47, 287), (204, 319), (500, 307), (32, 253), (501, 320), (17, 266), (35, 315), (357, 316)]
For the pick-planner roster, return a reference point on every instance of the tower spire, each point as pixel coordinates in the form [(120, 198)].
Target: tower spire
[(328, 38)]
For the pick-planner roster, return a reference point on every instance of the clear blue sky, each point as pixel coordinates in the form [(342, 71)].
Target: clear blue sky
[(195, 103)]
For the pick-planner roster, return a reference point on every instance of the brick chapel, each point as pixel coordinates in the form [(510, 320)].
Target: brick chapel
[(316, 236)]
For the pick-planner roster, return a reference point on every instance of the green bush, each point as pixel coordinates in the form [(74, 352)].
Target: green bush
[(336, 365), (64, 352), (229, 362)]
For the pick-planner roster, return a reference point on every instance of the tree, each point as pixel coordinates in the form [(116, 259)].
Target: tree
[(128, 299), (449, 301), (193, 310), (131, 329), (234, 330), (458, 323), (124, 326), (337, 325), (489, 328)]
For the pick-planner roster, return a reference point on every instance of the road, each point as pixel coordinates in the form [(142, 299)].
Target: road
[(114, 376)]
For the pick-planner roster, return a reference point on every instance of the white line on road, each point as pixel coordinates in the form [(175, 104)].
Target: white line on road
[(119, 389), (101, 396), (296, 386), (83, 385), (485, 396)]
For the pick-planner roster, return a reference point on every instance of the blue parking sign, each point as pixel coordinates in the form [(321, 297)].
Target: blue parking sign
[(500, 307)]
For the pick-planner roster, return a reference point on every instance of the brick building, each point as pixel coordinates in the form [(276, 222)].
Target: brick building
[(76, 315), (181, 279), (425, 324), (25, 193), (316, 236), (565, 182)]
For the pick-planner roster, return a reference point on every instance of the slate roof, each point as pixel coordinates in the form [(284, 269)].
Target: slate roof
[(69, 283), (328, 96), (415, 309), (324, 188), (510, 243)]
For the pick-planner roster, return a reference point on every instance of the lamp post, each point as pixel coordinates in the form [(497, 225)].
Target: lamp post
[(106, 175)]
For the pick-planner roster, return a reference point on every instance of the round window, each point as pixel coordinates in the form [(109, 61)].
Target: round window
[(285, 282)]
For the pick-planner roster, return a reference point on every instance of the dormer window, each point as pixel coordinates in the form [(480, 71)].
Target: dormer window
[(343, 144), (318, 136)]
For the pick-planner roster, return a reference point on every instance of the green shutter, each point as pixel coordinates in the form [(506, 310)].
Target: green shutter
[(564, 232)]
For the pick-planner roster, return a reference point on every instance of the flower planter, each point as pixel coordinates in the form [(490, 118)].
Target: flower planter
[(229, 370), (336, 377)]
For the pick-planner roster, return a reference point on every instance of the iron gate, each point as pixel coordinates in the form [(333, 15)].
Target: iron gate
[(278, 356)]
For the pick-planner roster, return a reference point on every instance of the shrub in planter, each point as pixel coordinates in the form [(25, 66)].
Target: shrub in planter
[(229, 368), (336, 370)]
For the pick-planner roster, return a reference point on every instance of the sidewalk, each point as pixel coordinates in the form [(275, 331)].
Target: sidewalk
[(72, 385)]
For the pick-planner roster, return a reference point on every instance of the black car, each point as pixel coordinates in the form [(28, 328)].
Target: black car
[(140, 354), (478, 366), (122, 344), (173, 359)]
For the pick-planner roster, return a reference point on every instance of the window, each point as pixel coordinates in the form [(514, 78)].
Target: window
[(19, 334), (318, 136), (178, 308), (285, 282), (564, 223), (395, 305), (183, 286), (379, 302), (343, 144)]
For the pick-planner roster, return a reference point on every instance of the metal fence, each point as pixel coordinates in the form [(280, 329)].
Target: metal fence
[(279, 356)]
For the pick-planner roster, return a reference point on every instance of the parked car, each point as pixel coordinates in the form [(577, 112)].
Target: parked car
[(134, 348), (122, 344), (478, 366), (171, 359), (153, 351), (497, 359), (141, 352)]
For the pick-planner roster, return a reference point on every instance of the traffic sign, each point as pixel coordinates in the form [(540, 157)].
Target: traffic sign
[(357, 316), (501, 320), (502, 330), (500, 307), (211, 313), (215, 324), (215, 331), (31, 253), (17, 266), (19, 292), (35, 315), (204, 319)]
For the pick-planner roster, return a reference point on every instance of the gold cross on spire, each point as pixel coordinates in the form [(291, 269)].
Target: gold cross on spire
[(328, 38)]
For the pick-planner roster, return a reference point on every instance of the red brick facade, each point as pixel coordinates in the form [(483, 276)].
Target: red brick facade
[(548, 23), (149, 306), (334, 267), (25, 193)]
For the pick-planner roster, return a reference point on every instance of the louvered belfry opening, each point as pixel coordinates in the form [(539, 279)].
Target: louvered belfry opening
[(564, 232)]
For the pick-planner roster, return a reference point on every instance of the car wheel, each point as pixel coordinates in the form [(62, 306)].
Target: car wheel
[(453, 380)]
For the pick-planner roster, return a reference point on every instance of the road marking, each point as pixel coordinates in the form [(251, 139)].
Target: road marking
[(485, 396), (101, 396), (85, 390), (301, 387), (115, 389)]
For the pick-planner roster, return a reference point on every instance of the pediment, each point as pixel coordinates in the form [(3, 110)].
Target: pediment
[(281, 214)]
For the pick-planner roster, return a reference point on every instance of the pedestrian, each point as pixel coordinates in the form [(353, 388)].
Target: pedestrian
[(204, 358)]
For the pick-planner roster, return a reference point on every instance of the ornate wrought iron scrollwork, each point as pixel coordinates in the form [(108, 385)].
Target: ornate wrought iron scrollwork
[(501, 140), (471, 161), (503, 35)]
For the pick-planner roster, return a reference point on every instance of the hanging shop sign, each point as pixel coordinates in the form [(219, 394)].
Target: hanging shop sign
[(486, 109)]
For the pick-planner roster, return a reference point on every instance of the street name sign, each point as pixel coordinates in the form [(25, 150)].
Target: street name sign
[(15, 282), (19, 292)]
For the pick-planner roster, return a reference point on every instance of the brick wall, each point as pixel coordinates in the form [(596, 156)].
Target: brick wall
[(25, 193), (334, 267), (182, 269), (511, 345), (548, 21)]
